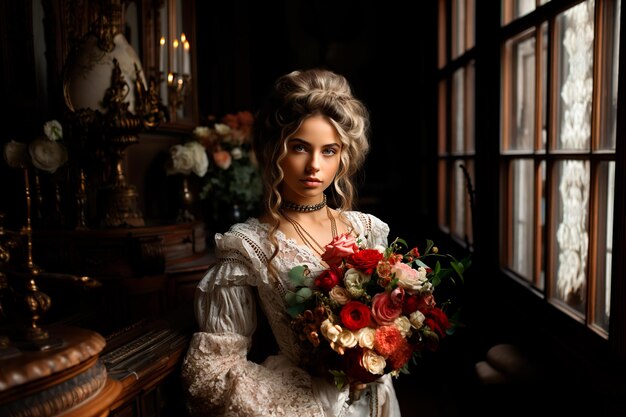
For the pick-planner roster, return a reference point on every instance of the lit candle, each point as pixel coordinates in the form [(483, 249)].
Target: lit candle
[(175, 56), (162, 55), (186, 65)]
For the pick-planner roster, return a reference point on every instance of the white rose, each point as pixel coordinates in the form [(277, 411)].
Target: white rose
[(222, 129), (373, 362), (236, 153), (355, 281), (201, 160), (47, 155), (183, 160), (340, 295), (16, 154), (417, 319), (53, 130), (330, 331), (366, 337), (347, 339), (409, 278), (202, 132), (403, 324)]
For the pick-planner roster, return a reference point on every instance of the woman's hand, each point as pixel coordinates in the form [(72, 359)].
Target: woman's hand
[(356, 389)]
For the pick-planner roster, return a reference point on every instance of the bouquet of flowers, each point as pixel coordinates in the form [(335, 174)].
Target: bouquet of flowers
[(372, 310), (233, 176)]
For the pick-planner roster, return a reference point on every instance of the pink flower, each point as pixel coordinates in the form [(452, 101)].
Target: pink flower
[(340, 247), (386, 307), (222, 159)]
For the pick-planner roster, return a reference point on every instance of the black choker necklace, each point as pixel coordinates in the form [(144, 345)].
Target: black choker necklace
[(303, 208)]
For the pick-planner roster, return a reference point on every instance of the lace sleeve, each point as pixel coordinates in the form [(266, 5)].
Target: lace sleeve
[(219, 380)]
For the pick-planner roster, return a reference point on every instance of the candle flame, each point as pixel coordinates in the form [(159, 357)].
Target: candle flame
[(162, 40), (186, 45), (183, 38), (175, 43)]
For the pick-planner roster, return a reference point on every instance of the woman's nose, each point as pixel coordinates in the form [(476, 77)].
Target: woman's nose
[(313, 164)]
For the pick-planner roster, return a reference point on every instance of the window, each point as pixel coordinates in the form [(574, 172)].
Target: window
[(557, 147), (456, 118)]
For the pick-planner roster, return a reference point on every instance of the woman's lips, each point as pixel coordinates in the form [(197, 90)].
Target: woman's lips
[(311, 182)]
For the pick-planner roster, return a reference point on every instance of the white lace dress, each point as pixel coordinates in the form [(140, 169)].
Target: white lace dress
[(219, 379)]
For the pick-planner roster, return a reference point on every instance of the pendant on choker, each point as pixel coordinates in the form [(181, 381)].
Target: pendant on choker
[(303, 208)]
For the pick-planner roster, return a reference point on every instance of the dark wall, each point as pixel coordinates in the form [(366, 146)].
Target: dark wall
[(389, 59)]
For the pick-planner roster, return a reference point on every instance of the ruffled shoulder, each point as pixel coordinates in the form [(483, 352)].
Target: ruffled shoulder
[(241, 257), (371, 228)]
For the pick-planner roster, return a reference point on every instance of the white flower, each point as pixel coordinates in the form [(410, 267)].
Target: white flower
[(373, 362), (340, 295), (347, 339), (202, 132), (409, 278), (188, 158), (53, 130), (366, 337), (236, 153), (355, 280), (201, 160), (417, 319), (222, 129), (403, 324), (47, 155), (330, 331), (16, 154)]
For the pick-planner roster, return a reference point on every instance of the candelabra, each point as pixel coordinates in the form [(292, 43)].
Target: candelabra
[(178, 87)]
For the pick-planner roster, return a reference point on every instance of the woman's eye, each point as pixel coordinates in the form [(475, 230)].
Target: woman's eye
[(299, 148), (330, 151)]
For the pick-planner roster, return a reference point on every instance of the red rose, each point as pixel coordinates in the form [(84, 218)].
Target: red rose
[(437, 320), (425, 302), (355, 315), (411, 304), (365, 260), (339, 248), (327, 280)]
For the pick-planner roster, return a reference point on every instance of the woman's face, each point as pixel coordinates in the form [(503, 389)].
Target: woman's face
[(312, 160)]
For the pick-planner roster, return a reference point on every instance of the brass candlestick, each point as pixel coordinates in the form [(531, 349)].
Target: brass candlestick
[(34, 302)]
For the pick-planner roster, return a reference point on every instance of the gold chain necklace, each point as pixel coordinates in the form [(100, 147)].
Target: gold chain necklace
[(301, 231)]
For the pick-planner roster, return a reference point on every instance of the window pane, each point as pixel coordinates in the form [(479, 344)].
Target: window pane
[(513, 9), (444, 196), (604, 247), (461, 211), (458, 111), (469, 105), (520, 69), (608, 95), (522, 234), (543, 66), (572, 237), (458, 28), (443, 119), (574, 29)]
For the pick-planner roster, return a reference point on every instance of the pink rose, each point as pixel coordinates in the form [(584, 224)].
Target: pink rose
[(222, 159), (386, 307), (340, 247)]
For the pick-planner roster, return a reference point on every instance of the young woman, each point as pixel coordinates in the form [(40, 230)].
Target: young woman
[(310, 137)]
